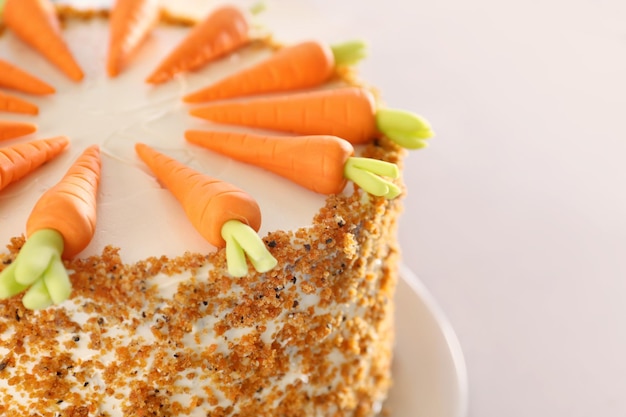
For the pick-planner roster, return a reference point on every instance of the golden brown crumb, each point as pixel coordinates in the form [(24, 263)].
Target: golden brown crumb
[(313, 336)]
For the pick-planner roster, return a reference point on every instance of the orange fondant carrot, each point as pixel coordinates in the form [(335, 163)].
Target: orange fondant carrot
[(208, 202), (315, 162), (10, 129), (303, 65), (221, 32), (23, 158), (15, 104), (36, 23), (345, 112), (17, 79), (130, 23), (69, 207), (320, 163)]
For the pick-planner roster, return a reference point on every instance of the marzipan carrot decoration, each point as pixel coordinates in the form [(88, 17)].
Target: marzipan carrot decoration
[(70, 206), (21, 159), (320, 163), (15, 104), (303, 65), (225, 215), (61, 224), (10, 129), (348, 112), (17, 79), (37, 24), (221, 32), (129, 23)]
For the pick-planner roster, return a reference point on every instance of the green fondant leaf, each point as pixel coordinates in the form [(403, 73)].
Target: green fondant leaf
[(407, 129), (349, 53), (257, 8), (241, 241), (57, 281), (8, 285), (37, 296), (367, 173), (37, 254), (40, 266)]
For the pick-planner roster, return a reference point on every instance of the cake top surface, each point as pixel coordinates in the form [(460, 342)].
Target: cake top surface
[(98, 194), (135, 213)]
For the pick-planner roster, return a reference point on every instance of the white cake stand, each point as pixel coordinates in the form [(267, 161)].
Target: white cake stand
[(429, 370)]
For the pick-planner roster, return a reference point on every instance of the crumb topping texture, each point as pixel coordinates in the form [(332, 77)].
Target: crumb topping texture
[(180, 337)]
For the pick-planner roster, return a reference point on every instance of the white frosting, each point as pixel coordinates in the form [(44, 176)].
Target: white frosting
[(202, 334), (134, 212)]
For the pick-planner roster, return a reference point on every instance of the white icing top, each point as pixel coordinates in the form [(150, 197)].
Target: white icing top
[(134, 212)]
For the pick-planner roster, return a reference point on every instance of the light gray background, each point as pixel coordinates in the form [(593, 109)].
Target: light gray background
[(516, 217)]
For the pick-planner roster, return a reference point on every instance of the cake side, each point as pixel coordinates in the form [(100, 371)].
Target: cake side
[(181, 337), (174, 336)]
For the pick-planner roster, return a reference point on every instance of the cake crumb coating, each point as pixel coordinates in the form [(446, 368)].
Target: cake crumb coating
[(178, 337)]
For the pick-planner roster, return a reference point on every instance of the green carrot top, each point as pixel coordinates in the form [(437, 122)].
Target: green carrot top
[(349, 53), (405, 128), (61, 224), (257, 8), (39, 266)]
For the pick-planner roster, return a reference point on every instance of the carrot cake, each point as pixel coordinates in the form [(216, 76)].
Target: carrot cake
[(164, 257)]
